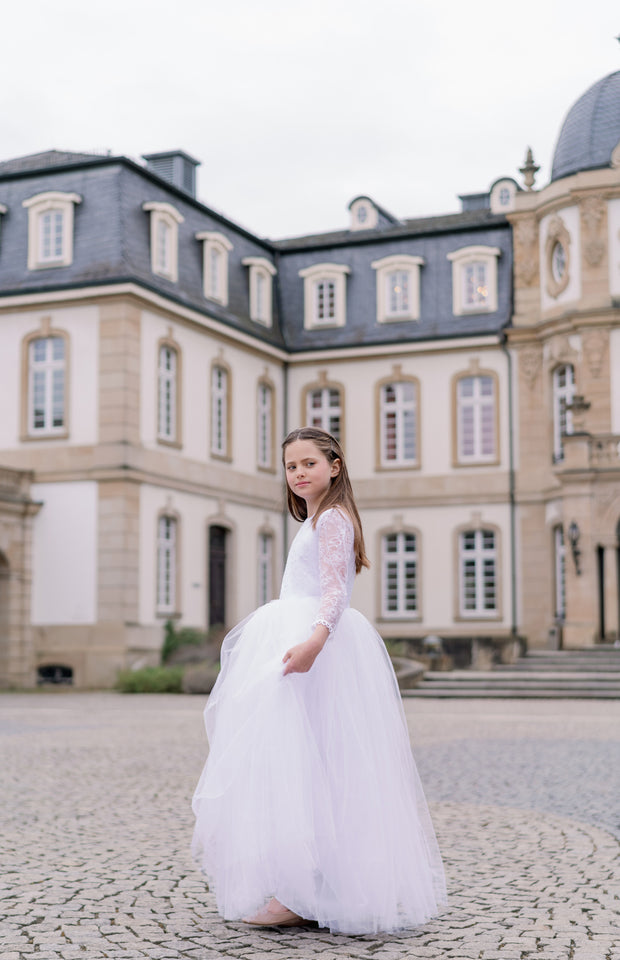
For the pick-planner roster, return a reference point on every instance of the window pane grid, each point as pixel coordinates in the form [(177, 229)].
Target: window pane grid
[(478, 572), (47, 377), (397, 293), (324, 410), (219, 411), (166, 565), (563, 394), (476, 416), (167, 381), (265, 398), (398, 417), (325, 301), (265, 568), (51, 234), (399, 574)]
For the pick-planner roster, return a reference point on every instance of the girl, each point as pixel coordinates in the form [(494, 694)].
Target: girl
[(309, 806)]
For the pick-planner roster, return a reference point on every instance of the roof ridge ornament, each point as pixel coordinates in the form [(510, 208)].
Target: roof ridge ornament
[(529, 170)]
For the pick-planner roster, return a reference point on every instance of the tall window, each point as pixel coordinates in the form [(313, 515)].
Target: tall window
[(563, 394), (324, 410), (166, 564), (399, 574), (216, 248), (167, 394), (476, 419), (164, 230), (46, 387), (219, 411), (265, 568), (398, 424), (560, 573), (261, 276), (265, 426), (478, 573)]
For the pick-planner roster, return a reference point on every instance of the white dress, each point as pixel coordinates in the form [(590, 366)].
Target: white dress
[(310, 792)]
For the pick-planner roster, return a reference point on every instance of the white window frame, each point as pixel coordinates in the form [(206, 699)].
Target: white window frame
[(563, 395), (40, 206), (469, 257), (480, 556), (387, 267), (167, 396), (559, 565), (215, 243), (502, 198), (480, 405), (364, 214), (219, 410), (394, 565), (264, 426), (324, 273), (166, 587), (400, 408), (326, 412), (164, 217), (265, 568), (262, 272), (48, 367)]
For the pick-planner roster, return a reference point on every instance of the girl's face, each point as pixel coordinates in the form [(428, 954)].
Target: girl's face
[(308, 472)]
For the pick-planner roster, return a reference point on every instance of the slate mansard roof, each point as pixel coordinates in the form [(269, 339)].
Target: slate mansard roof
[(112, 245)]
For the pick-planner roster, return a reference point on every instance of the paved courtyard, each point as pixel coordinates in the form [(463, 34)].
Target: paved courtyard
[(96, 827)]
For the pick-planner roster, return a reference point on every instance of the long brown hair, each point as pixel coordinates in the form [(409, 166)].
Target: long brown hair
[(340, 492)]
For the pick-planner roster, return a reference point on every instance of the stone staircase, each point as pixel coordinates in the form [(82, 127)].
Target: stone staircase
[(592, 674)]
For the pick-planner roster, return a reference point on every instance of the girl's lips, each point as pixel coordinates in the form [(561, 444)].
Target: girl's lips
[(303, 483)]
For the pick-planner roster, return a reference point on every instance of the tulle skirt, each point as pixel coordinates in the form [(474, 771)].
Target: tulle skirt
[(310, 792)]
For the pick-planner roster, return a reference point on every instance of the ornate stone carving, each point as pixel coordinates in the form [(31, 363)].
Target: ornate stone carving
[(529, 364), (560, 350), (557, 257), (526, 251), (595, 348), (592, 212)]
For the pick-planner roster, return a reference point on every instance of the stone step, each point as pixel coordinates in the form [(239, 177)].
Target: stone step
[(509, 676), (493, 692)]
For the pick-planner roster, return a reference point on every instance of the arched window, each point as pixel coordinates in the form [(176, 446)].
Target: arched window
[(168, 410), (563, 394), (47, 386), (166, 565), (220, 411), (476, 419), (398, 423), (478, 573), (323, 409), (399, 574)]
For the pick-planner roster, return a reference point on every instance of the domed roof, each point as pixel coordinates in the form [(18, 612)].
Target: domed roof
[(591, 129)]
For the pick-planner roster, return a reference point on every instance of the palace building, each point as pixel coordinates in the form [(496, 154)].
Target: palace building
[(153, 354)]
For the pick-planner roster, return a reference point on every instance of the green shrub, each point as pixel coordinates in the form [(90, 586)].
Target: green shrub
[(151, 680), (185, 637)]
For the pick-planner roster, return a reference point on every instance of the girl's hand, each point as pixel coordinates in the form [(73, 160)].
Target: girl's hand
[(300, 658)]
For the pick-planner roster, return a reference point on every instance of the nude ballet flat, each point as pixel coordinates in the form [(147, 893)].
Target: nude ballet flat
[(276, 918)]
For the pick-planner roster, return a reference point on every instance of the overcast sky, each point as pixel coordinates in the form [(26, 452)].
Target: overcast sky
[(294, 108)]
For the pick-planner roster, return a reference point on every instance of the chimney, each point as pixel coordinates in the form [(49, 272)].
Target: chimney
[(175, 167)]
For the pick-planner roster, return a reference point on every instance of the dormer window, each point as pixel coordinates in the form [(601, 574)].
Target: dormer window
[(165, 220), (398, 287), (364, 215), (216, 248), (325, 295), (262, 272), (474, 280), (502, 197), (50, 229)]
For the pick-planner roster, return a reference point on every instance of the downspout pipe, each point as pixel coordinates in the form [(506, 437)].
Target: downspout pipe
[(285, 404), (511, 490)]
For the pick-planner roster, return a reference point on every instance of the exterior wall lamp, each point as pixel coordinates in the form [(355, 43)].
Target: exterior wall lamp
[(574, 533)]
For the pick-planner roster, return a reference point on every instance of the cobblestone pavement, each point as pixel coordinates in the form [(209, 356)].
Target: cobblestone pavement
[(96, 827)]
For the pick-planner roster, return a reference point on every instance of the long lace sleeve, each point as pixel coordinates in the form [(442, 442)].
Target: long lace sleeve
[(335, 563)]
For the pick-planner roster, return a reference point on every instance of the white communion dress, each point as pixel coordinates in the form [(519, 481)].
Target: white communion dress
[(310, 792)]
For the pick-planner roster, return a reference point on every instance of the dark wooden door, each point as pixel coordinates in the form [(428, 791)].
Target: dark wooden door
[(217, 575)]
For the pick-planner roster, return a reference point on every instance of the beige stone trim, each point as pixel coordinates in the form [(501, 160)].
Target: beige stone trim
[(474, 371), (221, 364), (477, 523), (169, 511), (398, 526), (177, 443), (119, 372), (44, 332), (118, 536), (397, 376), (557, 234), (266, 381), (323, 383)]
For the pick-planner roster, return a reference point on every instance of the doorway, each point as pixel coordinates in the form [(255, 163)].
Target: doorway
[(218, 542)]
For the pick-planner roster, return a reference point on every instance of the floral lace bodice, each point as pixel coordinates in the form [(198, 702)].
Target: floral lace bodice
[(321, 564)]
